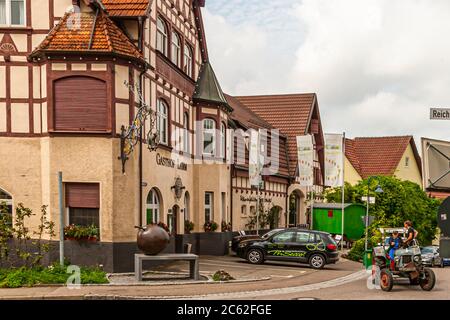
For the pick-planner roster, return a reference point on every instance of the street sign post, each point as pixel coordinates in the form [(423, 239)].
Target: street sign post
[(439, 114), (371, 199)]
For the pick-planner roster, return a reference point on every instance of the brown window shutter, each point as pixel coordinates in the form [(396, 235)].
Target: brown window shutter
[(80, 104), (82, 195)]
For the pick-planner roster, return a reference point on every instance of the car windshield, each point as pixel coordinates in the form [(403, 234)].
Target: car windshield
[(268, 234), (428, 250)]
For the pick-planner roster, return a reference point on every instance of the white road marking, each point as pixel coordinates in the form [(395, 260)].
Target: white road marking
[(273, 292)]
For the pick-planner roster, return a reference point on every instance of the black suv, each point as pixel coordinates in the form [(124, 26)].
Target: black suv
[(306, 246)]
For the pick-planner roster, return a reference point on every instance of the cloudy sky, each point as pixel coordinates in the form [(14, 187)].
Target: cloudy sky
[(376, 65)]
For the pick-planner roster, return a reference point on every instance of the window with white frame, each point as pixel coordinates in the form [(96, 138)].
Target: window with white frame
[(186, 144), (188, 58), (153, 207), (209, 206), (162, 121), (161, 36), (223, 140), (12, 12), (176, 49), (209, 137)]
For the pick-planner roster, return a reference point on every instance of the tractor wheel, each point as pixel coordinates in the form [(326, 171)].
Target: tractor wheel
[(428, 281), (386, 280)]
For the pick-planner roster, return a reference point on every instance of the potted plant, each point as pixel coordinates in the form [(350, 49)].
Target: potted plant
[(226, 226), (188, 226), (78, 233), (210, 226)]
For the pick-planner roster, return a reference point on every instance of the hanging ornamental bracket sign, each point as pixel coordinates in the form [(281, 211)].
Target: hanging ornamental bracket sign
[(130, 136)]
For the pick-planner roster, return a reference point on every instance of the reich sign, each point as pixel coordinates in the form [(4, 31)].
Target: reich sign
[(439, 114)]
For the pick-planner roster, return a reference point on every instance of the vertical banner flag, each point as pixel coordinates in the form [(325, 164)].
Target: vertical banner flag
[(254, 168), (305, 154), (334, 160)]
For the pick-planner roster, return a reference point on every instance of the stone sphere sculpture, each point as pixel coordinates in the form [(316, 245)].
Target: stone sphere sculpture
[(152, 239)]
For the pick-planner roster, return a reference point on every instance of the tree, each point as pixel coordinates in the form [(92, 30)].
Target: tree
[(400, 201)]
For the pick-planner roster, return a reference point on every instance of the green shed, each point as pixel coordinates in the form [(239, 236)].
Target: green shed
[(328, 217)]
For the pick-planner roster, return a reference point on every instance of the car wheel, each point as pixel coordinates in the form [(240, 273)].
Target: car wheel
[(427, 279), (386, 280), (255, 256), (317, 261)]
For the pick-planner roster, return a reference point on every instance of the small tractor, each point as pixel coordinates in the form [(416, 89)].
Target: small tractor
[(407, 264)]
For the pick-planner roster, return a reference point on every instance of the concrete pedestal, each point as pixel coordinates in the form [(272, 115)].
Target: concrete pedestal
[(194, 271)]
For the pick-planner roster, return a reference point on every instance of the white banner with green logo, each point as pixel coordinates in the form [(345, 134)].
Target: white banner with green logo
[(305, 155)]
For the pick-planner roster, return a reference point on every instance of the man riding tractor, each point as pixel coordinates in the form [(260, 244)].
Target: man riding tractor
[(401, 259)]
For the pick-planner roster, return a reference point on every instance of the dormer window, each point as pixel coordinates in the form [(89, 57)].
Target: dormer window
[(12, 12)]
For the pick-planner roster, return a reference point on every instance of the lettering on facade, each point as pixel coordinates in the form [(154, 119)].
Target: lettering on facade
[(254, 199), (167, 162)]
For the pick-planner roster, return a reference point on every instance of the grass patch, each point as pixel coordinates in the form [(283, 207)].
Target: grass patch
[(54, 274)]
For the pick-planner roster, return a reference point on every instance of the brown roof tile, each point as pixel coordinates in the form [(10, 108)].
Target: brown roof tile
[(250, 120), (126, 8), (377, 155), (107, 37), (289, 113)]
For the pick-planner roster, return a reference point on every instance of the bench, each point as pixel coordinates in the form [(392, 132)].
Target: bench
[(194, 272)]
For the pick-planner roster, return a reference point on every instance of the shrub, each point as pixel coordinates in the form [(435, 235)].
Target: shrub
[(54, 274), (222, 275), (188, 226)]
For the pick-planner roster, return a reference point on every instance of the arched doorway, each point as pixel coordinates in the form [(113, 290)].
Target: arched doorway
[(5, 203), (296, 208), (153, 208), (173, 220), (274, 217)]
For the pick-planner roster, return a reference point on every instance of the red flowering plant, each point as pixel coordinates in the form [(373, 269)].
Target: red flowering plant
[(210, 226), (74, 232)]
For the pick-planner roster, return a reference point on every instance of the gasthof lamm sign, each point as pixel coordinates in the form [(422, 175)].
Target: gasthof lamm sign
[(439, 114)]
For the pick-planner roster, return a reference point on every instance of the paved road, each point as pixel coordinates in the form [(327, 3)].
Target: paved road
[(360, 290), (345, 280)]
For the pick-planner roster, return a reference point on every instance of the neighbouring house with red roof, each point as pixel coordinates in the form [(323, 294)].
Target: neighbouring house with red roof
[(120, 96), (382, 156)]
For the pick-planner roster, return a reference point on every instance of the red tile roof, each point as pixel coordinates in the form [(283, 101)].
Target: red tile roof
[(126, 8), (107, 37), (289, 113), (247, 119), (378, 155), (245, 116)]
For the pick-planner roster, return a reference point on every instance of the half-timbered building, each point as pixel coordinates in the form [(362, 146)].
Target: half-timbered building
[(75, 77)]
